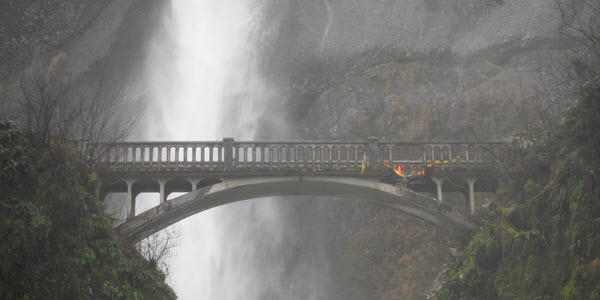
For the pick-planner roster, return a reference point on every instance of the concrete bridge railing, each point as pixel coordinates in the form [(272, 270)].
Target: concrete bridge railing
[(312, 156)]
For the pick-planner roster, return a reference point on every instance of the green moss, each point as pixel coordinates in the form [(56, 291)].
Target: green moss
[(55, 240), (542, 228)]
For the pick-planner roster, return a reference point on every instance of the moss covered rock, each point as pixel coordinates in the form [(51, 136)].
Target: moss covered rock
[(545, 221), (55, 240)]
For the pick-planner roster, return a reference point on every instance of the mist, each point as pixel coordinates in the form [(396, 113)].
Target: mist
[(403, 94), (205, 84)]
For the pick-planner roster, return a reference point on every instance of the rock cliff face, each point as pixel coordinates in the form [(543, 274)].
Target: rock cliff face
[(347, 69), (92, 39), (412, 70), (438, 98), (340, 29), (32, 27), (324, 40)]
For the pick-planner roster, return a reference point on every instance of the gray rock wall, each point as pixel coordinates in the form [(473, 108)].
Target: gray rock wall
[(323, 43), (92, 40), (346, 69), (411, 70), (337, 29)]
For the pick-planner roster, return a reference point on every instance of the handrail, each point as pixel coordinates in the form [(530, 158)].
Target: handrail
[(406, 142), (227, 155)]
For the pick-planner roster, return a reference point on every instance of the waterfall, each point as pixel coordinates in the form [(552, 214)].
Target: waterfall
[(326, 30), (204, 85)]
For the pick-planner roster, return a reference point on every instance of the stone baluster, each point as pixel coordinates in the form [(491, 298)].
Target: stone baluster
[(228, 153), (467, 153), (185, 154), (194, 148), (295, 156), (219, 154), (372, 152)]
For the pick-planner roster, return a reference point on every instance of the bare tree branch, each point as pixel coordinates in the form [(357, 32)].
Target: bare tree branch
[(583, 18), (158, 248), (53, 109)]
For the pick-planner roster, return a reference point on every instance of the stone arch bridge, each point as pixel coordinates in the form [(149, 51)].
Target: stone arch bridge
[(220, 172)]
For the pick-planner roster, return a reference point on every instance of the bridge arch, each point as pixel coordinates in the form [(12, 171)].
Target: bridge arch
[(228, 191), (178, 185), (207, 182)]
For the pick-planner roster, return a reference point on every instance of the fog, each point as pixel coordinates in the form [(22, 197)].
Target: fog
[(462, 77), (227, 69), (205, 85)]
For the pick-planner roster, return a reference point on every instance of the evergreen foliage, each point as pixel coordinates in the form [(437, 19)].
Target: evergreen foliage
[(540, 237), (55, 240)]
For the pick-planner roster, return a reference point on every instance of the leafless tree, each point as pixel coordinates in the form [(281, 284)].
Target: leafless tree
[(582, 17), (47, 105), (102, 119), (158, 248), (54, 109)]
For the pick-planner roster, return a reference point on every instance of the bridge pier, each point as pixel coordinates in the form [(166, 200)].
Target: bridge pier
[(130, 199), (163, 196), (464, 181), (471, 181), (194, 183), (438, 182)]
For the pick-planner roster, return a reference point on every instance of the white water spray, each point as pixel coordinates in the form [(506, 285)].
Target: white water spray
[(202, 74), (190, 66)]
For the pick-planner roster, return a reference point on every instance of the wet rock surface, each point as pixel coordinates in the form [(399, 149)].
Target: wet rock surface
[(89, 39), (467, 98), (415, 70), (407, 69)]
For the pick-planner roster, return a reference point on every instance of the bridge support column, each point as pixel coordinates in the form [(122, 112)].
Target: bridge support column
[(194, 183), (163, 196), (471, 181), (439, 181), (228, 153), (130, 199), (372, 152)]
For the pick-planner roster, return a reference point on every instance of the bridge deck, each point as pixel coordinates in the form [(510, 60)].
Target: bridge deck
[(167, 167)]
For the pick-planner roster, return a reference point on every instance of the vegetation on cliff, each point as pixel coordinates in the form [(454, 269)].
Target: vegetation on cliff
[(55, 240), (540, 237)]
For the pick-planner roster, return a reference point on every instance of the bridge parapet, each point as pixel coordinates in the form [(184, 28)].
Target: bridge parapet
[(414, 155), (305, 156)]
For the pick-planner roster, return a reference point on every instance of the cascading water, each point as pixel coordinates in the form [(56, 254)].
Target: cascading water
[(204, 86)]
